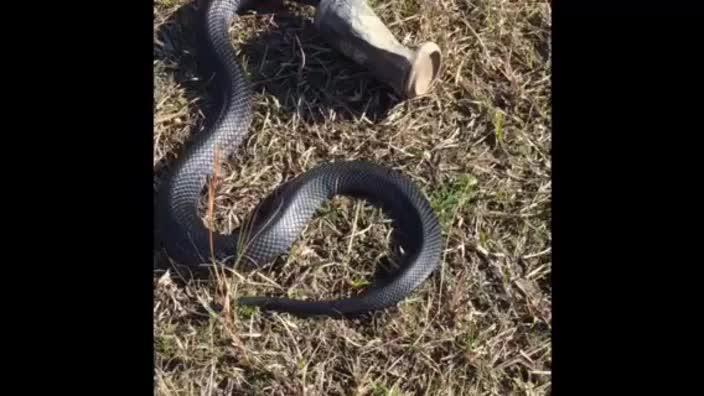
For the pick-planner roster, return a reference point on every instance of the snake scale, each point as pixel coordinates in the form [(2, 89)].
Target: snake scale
[(280, 218)]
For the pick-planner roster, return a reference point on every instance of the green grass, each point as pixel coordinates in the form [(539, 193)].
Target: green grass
[(499, 126), (247, 312), (383, 390), (452, 196), (478, 146)]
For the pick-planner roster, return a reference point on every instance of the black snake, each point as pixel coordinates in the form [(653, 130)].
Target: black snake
[(281, 217)]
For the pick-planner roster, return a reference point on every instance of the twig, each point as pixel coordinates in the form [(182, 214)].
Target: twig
[(211, 200)]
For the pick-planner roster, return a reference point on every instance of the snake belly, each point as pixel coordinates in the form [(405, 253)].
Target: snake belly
[(280, 218)]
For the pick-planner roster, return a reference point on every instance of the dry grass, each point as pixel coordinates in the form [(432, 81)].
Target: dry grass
[(479, 147)]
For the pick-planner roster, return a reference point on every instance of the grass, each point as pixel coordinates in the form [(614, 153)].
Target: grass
[(450, 197), (479, 148)]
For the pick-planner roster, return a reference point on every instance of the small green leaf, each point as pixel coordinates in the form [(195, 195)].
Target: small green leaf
[(357, 284), (246, 311), (499, 125)]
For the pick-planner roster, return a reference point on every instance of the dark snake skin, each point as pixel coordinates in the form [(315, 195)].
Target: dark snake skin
[(280, 218)]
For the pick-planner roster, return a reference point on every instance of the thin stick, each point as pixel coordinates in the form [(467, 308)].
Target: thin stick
[(211, 200)]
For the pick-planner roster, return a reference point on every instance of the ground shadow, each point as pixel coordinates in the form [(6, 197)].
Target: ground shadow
[(289, 60), (309, 78)]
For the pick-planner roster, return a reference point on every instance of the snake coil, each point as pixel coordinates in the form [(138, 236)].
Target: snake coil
[(282, 216)]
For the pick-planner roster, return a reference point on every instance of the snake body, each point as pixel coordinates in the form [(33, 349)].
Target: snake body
[(280, 218)]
